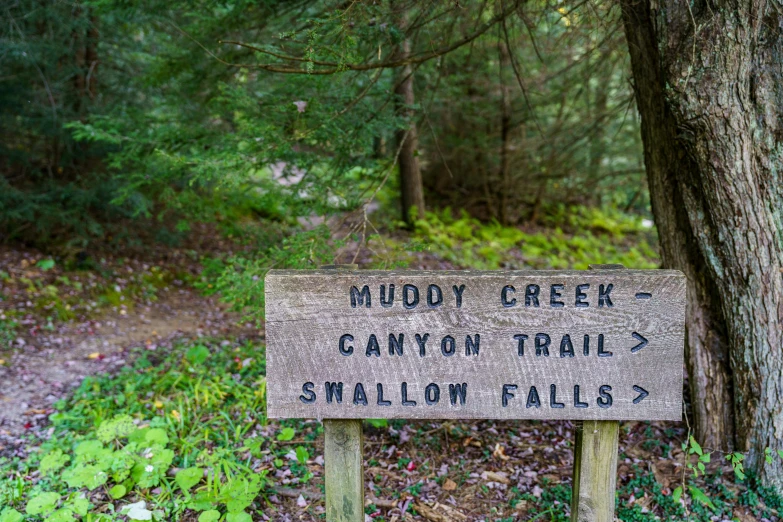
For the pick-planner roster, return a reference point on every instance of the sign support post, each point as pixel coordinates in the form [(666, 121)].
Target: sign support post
[(343, 461), (344, 478), (595, 463)]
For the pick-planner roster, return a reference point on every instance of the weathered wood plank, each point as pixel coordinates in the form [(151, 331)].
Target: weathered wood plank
[(595, 471), (595, 464), (468, 332), (344, 471)]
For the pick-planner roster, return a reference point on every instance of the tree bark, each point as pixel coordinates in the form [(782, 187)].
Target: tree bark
[(411, 187), (709, 87)]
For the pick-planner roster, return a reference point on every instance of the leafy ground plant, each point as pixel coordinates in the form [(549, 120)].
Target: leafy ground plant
[(161, 439), (591, 236)]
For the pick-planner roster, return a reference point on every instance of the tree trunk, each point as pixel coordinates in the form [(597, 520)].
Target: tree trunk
[(709, 86), (91, 58), (411, 188), (505, 133)]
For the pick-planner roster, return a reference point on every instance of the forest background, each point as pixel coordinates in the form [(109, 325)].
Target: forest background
[(252, 135)]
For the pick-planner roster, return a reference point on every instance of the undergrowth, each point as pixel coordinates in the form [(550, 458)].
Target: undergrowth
[(583, 236), (172, 434)]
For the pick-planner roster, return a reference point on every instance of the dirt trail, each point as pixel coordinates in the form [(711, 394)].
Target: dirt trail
[(40, 370)]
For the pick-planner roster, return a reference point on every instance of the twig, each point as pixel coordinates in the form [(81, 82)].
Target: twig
[(337, 67), (296, 493)]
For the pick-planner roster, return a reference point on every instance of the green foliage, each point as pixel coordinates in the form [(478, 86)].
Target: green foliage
[(377, 423), (174, 440), (705, 503), (597, 238), (10, 515), (286, 434), (189, 477), (241, 278)]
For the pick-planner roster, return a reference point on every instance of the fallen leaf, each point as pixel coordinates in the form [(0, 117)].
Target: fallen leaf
[(301, 502), (94, 355), (449, 485), (137, 511), (492, 476), (500, 452), (660, 477), (436, 512)]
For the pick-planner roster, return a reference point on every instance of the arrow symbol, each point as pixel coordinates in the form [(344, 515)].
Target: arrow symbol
[(642, 342), (642, 394)]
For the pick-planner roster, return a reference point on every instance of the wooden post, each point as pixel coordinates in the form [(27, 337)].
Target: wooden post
[(343, 462), (344, 470), (595, 471), (595, 464)]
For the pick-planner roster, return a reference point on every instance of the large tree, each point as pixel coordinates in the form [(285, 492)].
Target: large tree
[(709, 85)]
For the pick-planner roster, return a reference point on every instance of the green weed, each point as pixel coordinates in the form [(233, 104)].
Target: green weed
[(170, 432)]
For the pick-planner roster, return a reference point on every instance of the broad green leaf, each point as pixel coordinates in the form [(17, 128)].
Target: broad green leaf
[(45, 264), (780, 453), (156, 436), (676, 494), (163, 458), (705, 458), (92, 451), (189, 477), (695, 448), (212, 515), (197, 355), (302, 455), (87, 476), (11, 515), (238, 517), (286, 434), (240, 493), (80, 505), (119, 427), (88, 448), (139, 436), (53, 461), (118, 491), (122, 462), (42, 504), (61, 515), (699, 496), (148, 471), (378, 423), (203, 500)]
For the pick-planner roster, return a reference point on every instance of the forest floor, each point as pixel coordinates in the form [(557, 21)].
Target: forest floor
[(122, 317)]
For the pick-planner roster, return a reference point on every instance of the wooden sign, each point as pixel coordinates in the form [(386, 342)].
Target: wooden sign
[(597, 345)]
